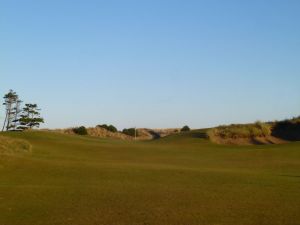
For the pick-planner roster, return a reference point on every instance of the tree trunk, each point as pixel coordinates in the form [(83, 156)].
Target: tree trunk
[(4, 122), (8, 117)]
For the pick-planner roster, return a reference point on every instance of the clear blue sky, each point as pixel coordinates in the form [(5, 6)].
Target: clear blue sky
[(158, 63)]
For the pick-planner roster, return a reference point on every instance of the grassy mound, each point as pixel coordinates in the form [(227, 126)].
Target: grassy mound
[(258, 133), (245, 134), (11, 145), (143, 133), (242, 131)]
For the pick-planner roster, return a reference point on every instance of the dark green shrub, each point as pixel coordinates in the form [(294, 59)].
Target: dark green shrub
[(185, 129), (104, 126), (130, 131), (80, 130), (110, 128), (287, 129)]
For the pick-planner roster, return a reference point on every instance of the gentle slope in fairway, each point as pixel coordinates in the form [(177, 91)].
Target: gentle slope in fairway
[(181, 179)]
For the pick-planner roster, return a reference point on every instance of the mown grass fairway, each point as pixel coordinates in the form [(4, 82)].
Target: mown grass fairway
[(182, 180)]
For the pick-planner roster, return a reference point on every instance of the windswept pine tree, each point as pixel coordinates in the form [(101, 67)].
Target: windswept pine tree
[(12, 110), (30, 117), (17, 118)]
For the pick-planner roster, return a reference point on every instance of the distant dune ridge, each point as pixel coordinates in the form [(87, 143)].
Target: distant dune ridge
[(97, 132), (257, 133), (277, 132), (143, 133)]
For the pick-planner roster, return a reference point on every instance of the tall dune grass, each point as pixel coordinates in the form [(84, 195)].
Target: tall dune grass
[(234, 131)]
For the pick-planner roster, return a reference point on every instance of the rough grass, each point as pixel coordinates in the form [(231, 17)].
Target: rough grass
[(257, 133), (242, 130), (181, 179), (98, 132), (143, 133), (13, 146)]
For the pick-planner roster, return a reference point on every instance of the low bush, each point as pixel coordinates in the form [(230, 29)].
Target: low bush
[(110, 128), (80, 130), (185, 129), (131, 132), (287, 129)]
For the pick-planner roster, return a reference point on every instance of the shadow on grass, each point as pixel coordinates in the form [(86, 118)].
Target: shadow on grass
[(287, 130), (293, 176)]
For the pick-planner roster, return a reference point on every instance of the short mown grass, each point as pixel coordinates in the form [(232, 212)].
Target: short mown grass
[(181, 179)]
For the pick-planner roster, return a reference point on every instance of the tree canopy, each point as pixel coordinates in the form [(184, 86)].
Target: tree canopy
[(17, 118)]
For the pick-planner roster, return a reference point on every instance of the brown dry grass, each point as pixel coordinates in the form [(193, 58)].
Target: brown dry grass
[(244, 134), (247, 141), (97, 132), (12, 145), (143, 133)]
